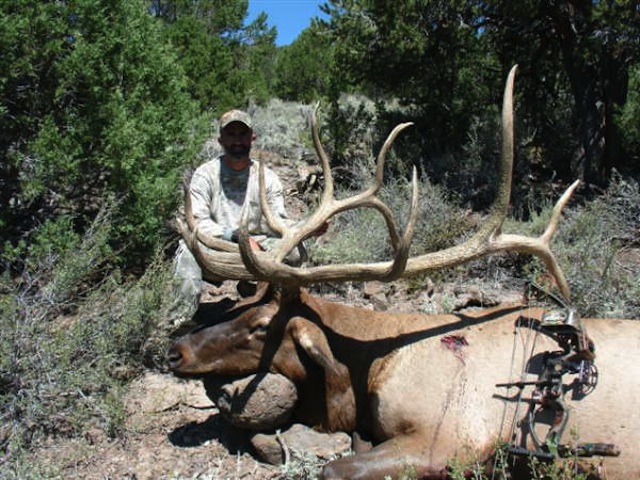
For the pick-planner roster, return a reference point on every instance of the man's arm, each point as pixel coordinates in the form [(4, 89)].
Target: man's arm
[(275, 197), (204, 192)]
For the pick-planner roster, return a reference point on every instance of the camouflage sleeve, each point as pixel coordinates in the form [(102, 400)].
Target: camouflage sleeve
[(275, 197), (203, 189)]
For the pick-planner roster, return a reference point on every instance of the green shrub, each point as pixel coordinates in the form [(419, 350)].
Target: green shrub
[(592, 243), (96, 107), (73, 336), (629, 119)]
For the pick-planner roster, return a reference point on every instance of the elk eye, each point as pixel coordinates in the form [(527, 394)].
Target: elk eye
[(260, 326)]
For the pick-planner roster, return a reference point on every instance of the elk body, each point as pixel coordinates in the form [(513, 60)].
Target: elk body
[(427, 389), (395, 379)]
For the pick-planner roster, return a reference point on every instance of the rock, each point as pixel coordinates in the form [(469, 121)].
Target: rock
[(299, 442), (376, 292), (155, 392), (373, 288), (258, 402)]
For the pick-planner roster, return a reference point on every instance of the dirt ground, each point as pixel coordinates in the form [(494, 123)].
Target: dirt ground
[(173, 431)]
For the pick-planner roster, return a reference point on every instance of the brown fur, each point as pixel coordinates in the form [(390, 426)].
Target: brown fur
[(389, 377)]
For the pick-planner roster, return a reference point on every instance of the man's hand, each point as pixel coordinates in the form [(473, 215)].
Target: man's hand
[(255, 245), (235, 237)]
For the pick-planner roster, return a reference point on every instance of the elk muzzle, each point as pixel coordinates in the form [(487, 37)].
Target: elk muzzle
[(179, 357)]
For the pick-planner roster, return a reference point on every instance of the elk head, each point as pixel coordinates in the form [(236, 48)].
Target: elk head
[(263, 333), (237, 338)]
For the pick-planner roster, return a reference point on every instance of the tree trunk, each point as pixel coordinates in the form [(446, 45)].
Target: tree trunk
[(595, 87)]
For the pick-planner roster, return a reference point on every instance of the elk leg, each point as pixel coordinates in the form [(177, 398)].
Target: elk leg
[(404, 456)]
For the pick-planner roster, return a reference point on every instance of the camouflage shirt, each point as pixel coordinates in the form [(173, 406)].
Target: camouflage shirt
[(221, 195)]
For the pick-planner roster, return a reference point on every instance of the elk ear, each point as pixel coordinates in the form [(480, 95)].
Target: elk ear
[(314, 342), (340, 399)]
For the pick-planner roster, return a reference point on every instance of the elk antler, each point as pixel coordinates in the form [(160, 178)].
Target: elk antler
[(487, 240), (269, 267)]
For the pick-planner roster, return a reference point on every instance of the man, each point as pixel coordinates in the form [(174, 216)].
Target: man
[(222, 191)]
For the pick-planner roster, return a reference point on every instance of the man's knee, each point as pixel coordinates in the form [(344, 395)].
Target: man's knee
[(188, 274)]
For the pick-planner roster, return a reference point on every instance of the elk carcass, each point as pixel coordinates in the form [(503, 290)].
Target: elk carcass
[(507, 384)]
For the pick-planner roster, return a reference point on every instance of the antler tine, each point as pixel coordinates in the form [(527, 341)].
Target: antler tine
[(367, 197), (540, 246), (291, 238), (324, 158), (266, 267), (327, 193), (402, 250), (274, 224), (382, 155)]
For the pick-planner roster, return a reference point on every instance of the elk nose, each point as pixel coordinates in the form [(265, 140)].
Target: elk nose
[(174, 357)]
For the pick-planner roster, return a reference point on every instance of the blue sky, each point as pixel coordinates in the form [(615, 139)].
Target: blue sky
[(290, 17)]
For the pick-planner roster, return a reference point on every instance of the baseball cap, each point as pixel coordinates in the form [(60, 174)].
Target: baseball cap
[(235, 116)]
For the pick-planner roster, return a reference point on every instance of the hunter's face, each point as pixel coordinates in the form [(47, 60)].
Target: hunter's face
[(236, 139)]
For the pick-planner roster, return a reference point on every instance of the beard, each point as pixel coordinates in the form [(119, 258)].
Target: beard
[(238, 151)]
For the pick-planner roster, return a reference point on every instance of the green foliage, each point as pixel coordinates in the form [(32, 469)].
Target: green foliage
[(629, 118), (303, 70), (473, 173), (281, 128), (69, 345), (226, 62), (96, 106), (257, 60), (391, 50), (445, 62), (206, 60), (555, 471), (302, 466), (598, 248), (351, 128), (575, 63), (219, 17)]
